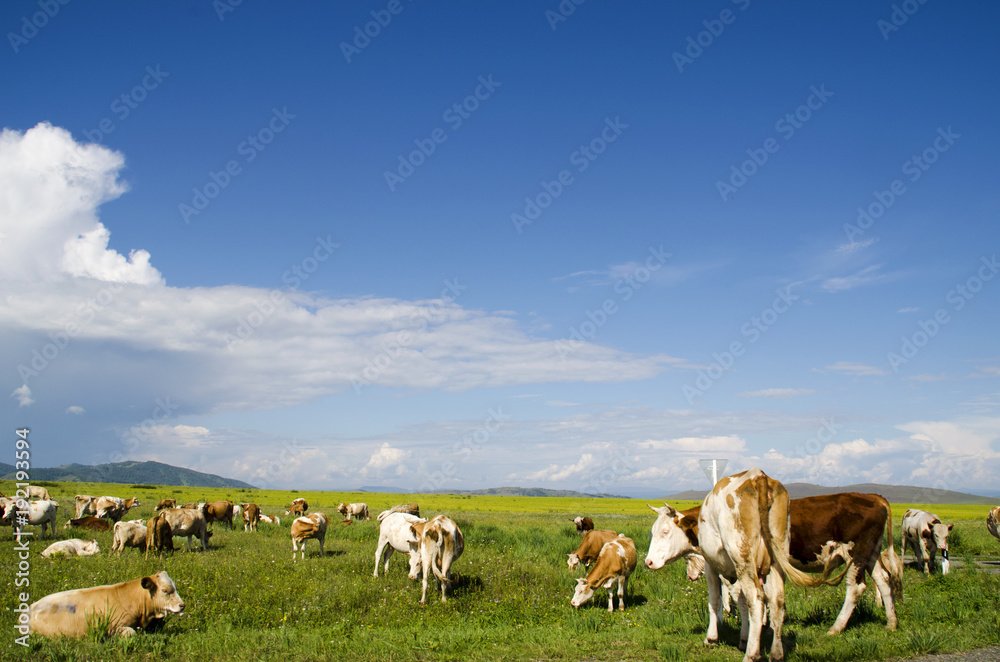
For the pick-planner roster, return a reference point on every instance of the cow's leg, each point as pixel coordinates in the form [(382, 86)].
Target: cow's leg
[(883, 588), (714, 605), (923, 556), (855, 587), (189, 543), (381, 553), (774, 589), (622, 591), (744, 613), (747, 583), (423, 586)]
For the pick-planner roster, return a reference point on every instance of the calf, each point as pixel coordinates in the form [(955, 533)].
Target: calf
[(166, 503), (267, 519), (298, 508), (309, 527), (358, 510), (395, 534), (408, 508), (72, 547), (583, 524), (590, 547), (129, 534), (159, 535), (614, 565), (993, 522), (219, 511), (925, 533), (38, 513), (440, 543), (188, 522), (251, 515), (89, 522), (138, 604)]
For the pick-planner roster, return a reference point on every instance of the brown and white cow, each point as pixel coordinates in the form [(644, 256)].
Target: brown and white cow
[(309, 527), (924, 532), (72, 547), (251, 515), (166, 503), (299, 507), (188, 522), (993, 522), (159, 535), (268, 519), (37, 513), (37, 492), (138, 604), (395, 534), (614, 565), (440, 542), (219, 511), (89, 522), (114, 508), (829, 530), (85, 505), (590, 547), (408, 508), (352, 510), (583, 524), (129, 534), (743, 533)]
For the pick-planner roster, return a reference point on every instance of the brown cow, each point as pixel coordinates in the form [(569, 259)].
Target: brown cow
[(219, 511), (251, 515), (129, 534), (583, 524), (311, 526), (114, 508), (590, 547), (89, 522), (615, 564), (166, 503), (159, 535), (408, 508), (138, 604), (298, 508), (85, 505), (190, 505), (439, 542)]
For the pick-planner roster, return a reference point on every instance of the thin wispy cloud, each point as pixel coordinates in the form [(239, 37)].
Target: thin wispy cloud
[(776, 393), (855, 369), (867, 276)]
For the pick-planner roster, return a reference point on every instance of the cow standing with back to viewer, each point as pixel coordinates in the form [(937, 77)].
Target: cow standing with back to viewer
[(440, 542)]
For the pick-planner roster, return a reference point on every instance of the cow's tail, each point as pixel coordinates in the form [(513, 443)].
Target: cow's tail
[(779, 553), (888, 559)]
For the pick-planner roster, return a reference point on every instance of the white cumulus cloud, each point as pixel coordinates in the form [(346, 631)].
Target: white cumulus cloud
[(23, 395)]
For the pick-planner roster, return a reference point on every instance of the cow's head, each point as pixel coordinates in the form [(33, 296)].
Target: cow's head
[(673, 535), (936, 535), (582, 594), (573, 561), (91, 547), (163, 596)]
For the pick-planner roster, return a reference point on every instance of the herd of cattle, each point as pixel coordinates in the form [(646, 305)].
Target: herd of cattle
[(747, 537)]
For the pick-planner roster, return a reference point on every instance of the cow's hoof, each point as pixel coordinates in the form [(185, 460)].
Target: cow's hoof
[(743, 645), (710, 642)]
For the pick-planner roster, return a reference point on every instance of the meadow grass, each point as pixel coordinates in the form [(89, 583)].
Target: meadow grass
[(247, 600)]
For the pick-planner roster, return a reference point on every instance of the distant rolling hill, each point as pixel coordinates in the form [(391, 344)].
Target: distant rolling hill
[(530, 492), (893, 493), (145, 473)]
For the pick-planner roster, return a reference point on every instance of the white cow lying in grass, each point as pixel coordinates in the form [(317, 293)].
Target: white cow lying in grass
[(72, 547)]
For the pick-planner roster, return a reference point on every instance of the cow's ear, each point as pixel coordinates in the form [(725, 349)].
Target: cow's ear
[(950, 526), (149, 584)]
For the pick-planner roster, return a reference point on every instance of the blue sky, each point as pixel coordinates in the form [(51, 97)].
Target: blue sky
[(504, 243)]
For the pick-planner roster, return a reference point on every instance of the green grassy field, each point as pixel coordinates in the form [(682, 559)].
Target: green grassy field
[(247, 600)]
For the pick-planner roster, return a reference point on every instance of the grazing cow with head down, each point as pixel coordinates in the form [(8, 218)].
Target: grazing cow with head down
[(38, 513), (166, 503), (925, 533), (159, 535), (299, 507), (85, 505), (743, 533), (251, 515), (590, 547), (583, 524), (308, 527), (614, 565), (395, 534), (89, 522), (408, 508), (138, 604), (219, 511), (72, 547), (440, 543), (993, 522), (114, 508), (129, 534), (352, 510), (37, 492)]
